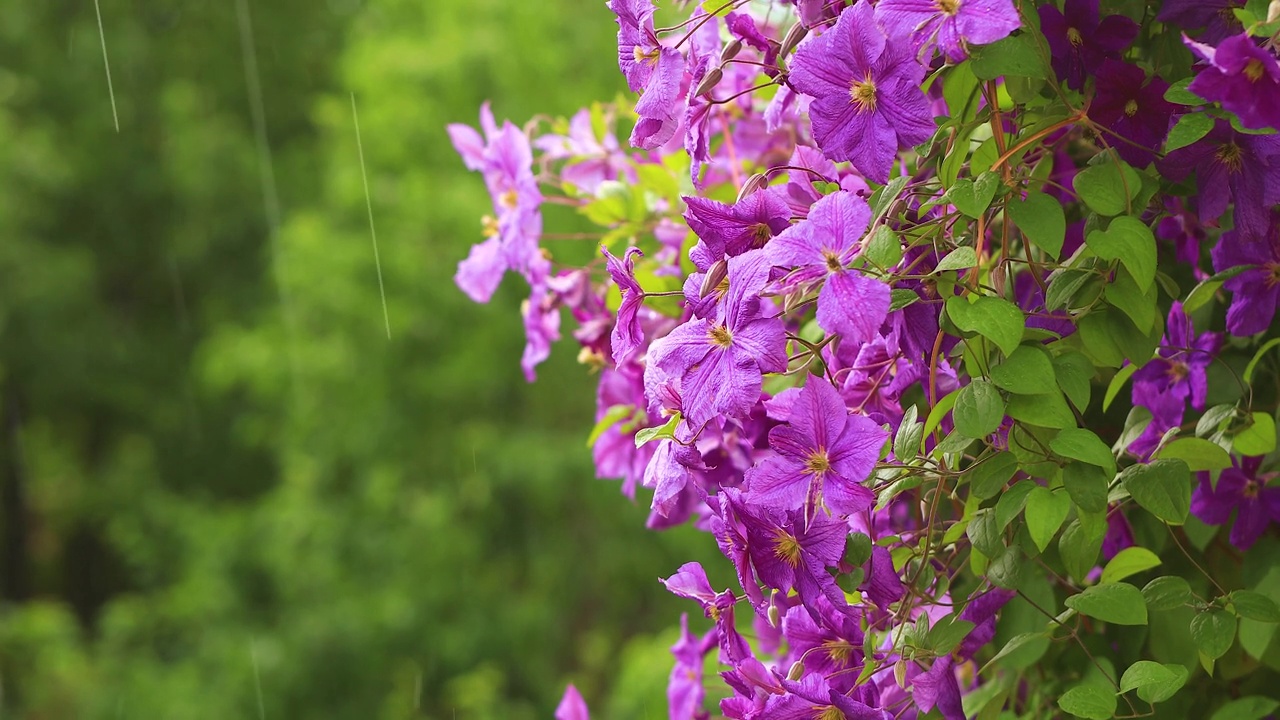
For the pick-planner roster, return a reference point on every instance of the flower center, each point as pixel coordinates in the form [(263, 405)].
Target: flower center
[(1251, 489), (817, 463), (509, 199), (786, 547), (863, 94), (760, 234), (833, 261), (1074, 37), (830, 713), (838, 650), (1178, 371), (1131, 108), (1273, 278), (948, 7), (1254, 69), (641, 55), (720, 336), (1230, 155), (489, 226)]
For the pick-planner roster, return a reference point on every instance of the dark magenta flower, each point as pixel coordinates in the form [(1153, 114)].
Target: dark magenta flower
[(685, 691), (614, 451), (541, 314), (813, 698), (823, 455), (1179, 369), (731, 230), (868, 102), (627, 335), (938, 687), (819, 248), (721, 360), (827, 647), (1214, 16), (1079, 41), (1132, 106), (1256, 291), (1242, 77), (1231, 167), (949, 24), (882, 584), (1240, 488)]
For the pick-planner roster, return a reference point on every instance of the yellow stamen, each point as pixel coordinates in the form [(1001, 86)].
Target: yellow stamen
[(786, 547), (720, 336), (833, 261), (1074, 36), (947, 7), (1231, 156), (863, 94), (817, 463), (1131, 108), (761, 234), (1254, 69)]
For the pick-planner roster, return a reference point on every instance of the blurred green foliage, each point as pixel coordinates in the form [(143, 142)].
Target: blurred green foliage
[(223, 491)]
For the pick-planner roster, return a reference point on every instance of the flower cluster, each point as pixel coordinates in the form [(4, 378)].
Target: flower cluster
[(871, 278)]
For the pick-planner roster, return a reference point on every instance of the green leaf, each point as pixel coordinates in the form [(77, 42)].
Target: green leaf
[(1063, 286), (1074, 373), (1014, 55), (984, 533), (961, 258), (1153, 681), (1178, 93), (662, 431), (1258, 438), (1252, 707), (1041, 219), (1167, 592), (902, 297), (1012, 502), (1087, 486), (979, 409), (1129, 561), (1189, 128), (1117, 603), (939, 411), (988, 478), (1049, 410), (1197, 453), (1117, 383), (1130, 241), (1099, 339), (1006, 570), (883, 248), (1204, 292), (1255, 606), (947, 633), (973, 197), (1213, 418), (998, 320), (1162, 487), (1139, 305), (1045, 512), (1214, 631), (1253, 363), (1091, 701), (1015, 643), (1080, 544), (906, 442), (858, 548), (1107, 187), (611, 417), (1080, 444), (1028, 371)]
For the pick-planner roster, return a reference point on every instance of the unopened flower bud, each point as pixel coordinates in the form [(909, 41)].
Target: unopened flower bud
[(793, 38), (797, 669), (774, 614), (730, 51), (1273, 11), (900, 673), (592, 358), (716, 274), (712, 78), (753, 183)]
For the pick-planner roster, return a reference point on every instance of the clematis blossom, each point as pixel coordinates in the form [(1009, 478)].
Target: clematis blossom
[(1242, 76), (652, 69), (867, 98), (950, 24), (1256, 291), (627, 336), (1246, 491), (1080, 40)]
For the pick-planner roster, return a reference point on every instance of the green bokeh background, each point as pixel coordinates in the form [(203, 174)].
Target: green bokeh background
[(224, 492)]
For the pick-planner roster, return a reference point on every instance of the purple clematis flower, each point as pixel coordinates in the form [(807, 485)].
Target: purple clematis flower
[(1256, 291), (1179, 369), (1241, 76), (882, 583), (685, 691), (827, 647), (627, 335), (541, 314), (1132, 106), (614, 451), (868, 102), (950, 24), (938, 687), (721, 361), (813, 697), (1215, 16), (651, 68), (1079, 41), (1243, 489), (505, 159), (823, 455), (1231, 167), (731, 230), (819, 248), (690, 581)]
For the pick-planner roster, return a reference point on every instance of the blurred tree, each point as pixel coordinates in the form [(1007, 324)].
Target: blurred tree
[(212, 502)]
